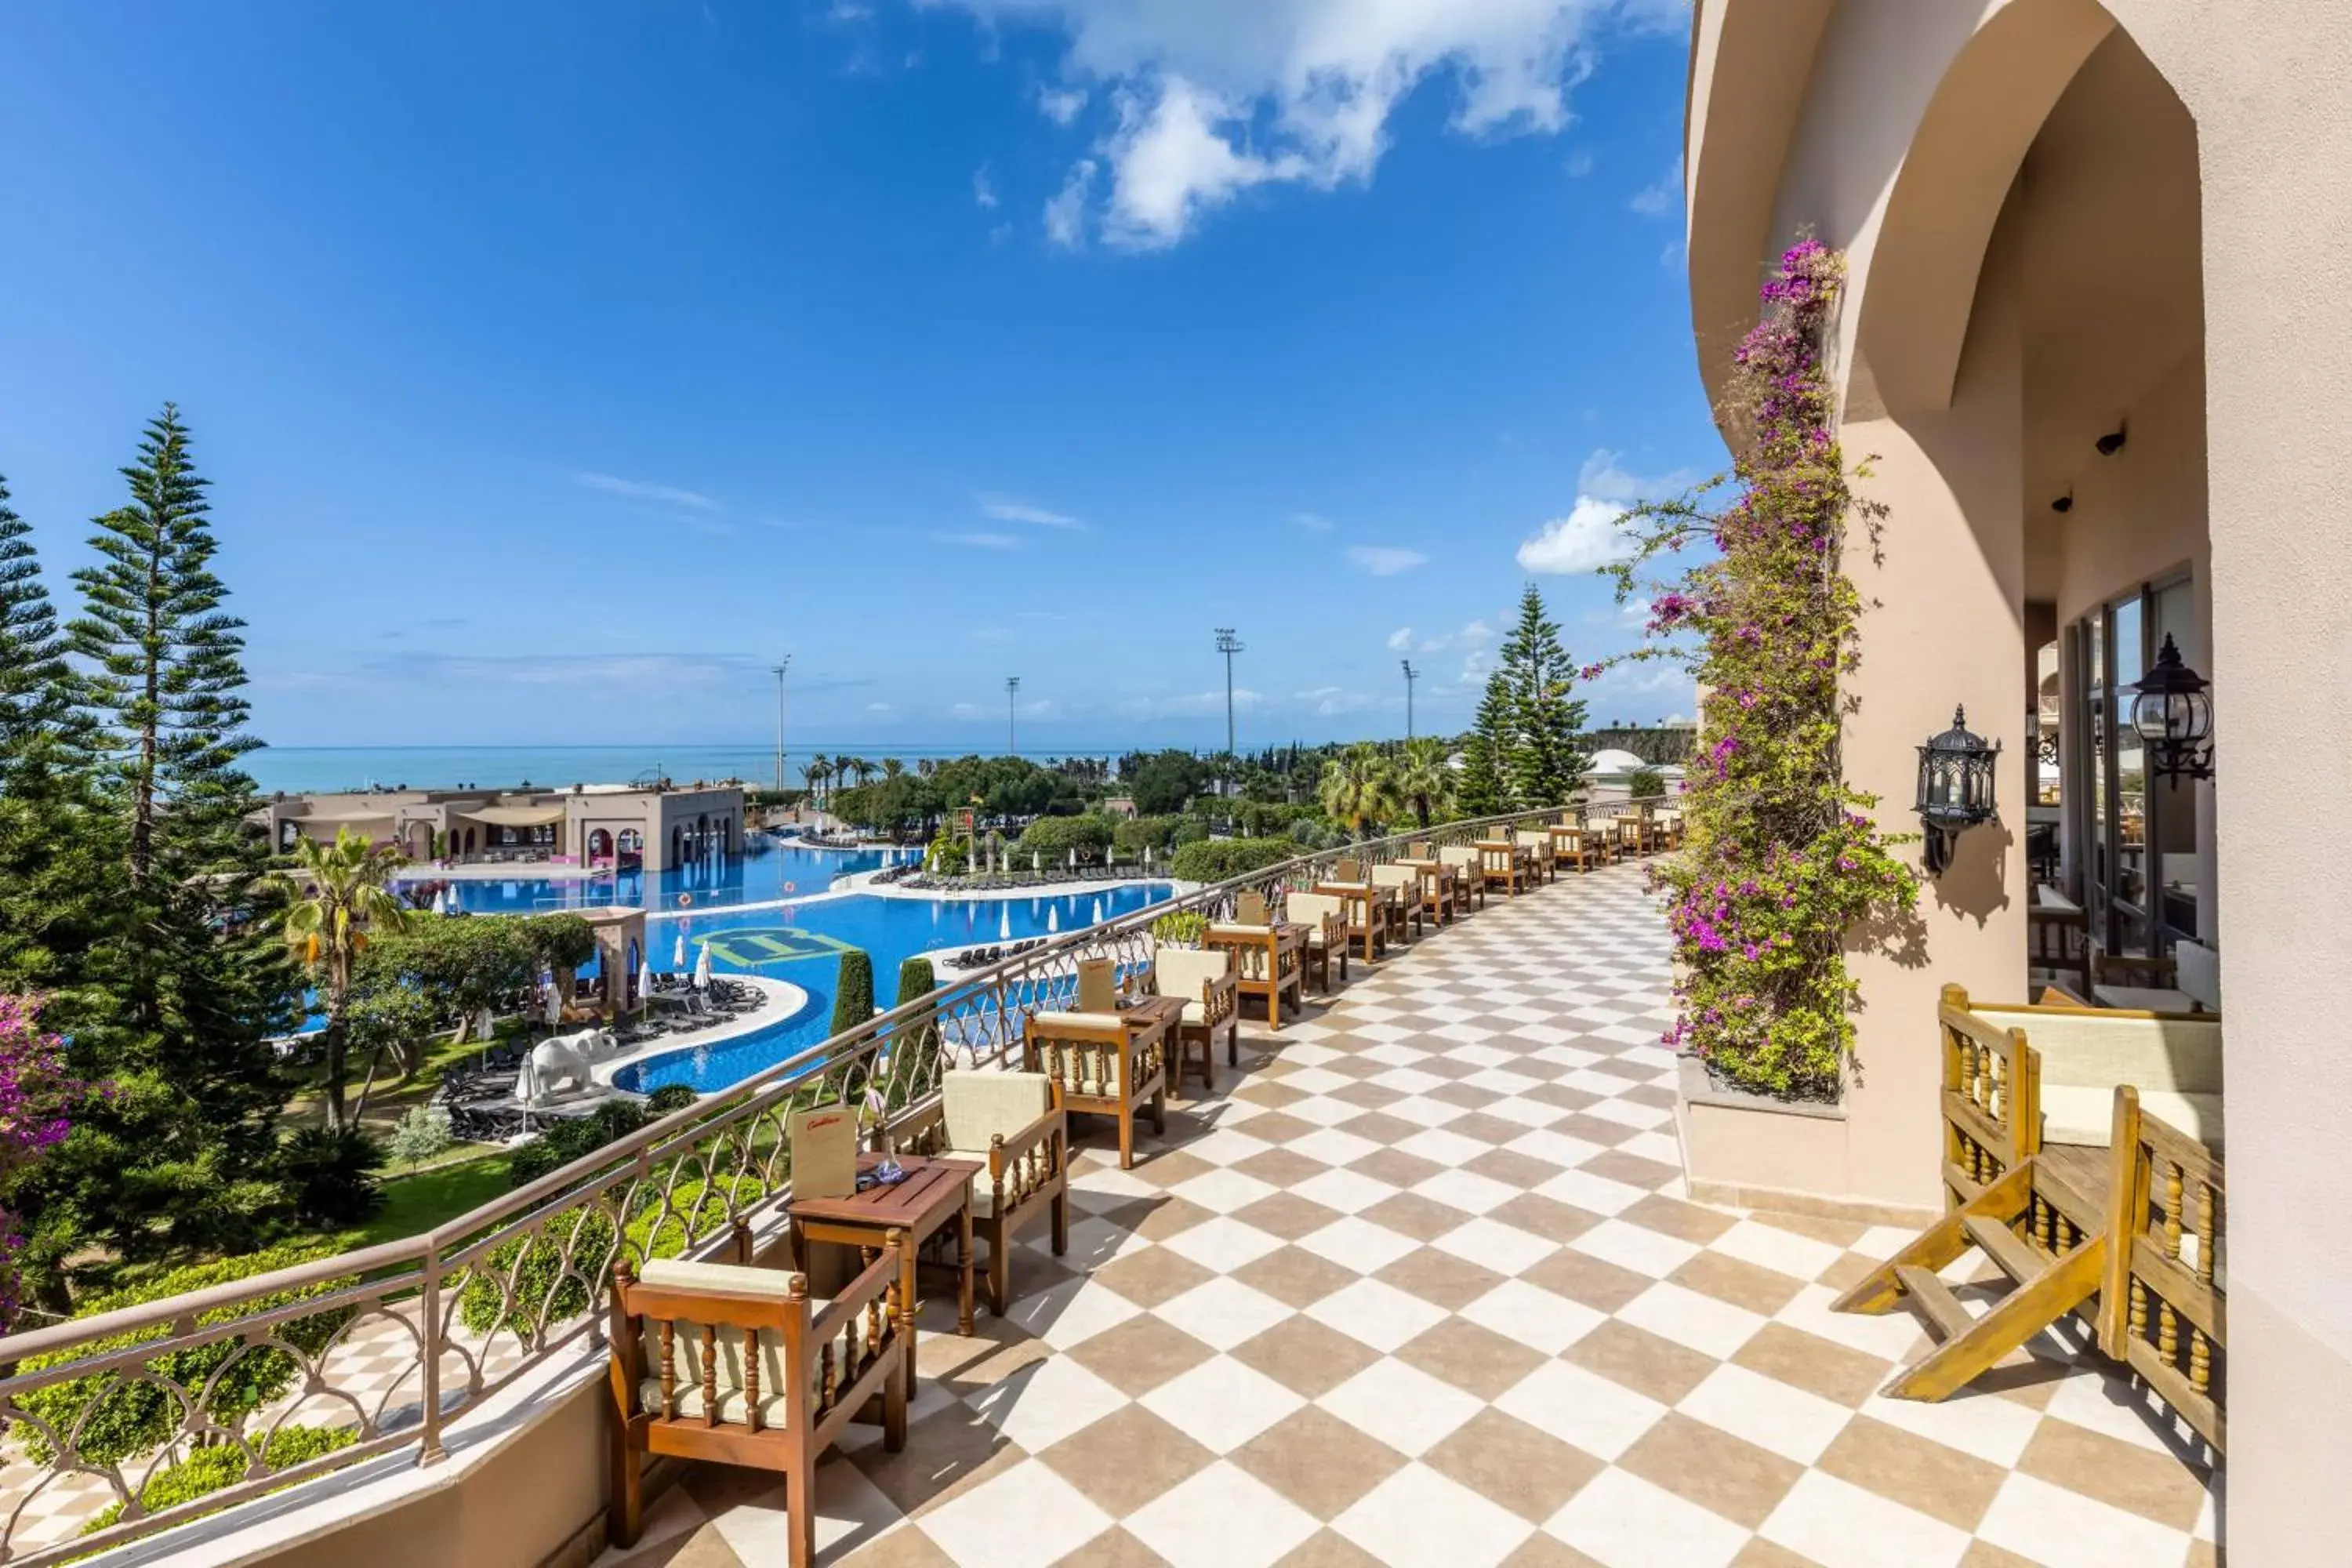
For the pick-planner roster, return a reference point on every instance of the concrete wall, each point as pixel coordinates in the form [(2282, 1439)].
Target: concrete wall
[(1901, 132)]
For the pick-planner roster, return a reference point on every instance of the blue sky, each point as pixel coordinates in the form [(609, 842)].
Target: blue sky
[(559, 363)]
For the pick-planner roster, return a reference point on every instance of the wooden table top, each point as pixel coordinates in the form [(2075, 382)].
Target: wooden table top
[(1289, 931), (1152, 1012), (931, 1185)]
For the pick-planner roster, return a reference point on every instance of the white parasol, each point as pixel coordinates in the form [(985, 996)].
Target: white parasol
[(702, 967), (645, 981), (678, 954), (1004, 924), (1053, 917)]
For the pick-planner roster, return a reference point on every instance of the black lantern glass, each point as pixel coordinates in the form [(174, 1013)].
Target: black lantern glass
[(2174, 718), (1956, 787)]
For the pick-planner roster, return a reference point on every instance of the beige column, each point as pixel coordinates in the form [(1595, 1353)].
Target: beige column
[(1951, 579)]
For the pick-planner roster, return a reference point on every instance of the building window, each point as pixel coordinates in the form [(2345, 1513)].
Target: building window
[(2143, 879)]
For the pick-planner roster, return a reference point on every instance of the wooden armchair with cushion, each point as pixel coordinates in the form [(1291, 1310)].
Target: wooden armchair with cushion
[(1439, 883), (1013, 1124), (1534, 847), (1573, 845), (1327, 936), (1411, 908), (1099, 1065), (740, 1365), (1364, 913), (1206, 979), (1269, 963), (1469, 869)]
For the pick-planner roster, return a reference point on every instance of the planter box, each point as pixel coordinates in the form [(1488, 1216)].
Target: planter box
[(1750, 1151)]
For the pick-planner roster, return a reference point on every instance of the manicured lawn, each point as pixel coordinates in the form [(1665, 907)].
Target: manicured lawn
[(418, 1203)]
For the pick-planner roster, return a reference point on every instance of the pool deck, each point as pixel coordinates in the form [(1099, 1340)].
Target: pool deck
[(783, 1001)]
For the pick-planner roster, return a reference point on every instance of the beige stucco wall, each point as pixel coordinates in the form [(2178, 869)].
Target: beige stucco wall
[(2272, 383)]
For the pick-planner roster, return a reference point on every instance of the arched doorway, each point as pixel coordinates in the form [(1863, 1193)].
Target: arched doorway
[(600, 845)]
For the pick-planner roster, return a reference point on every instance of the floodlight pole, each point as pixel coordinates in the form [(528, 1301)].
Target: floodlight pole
[(784, 663), (1410, 674), (1011, 695), (1228, 645)]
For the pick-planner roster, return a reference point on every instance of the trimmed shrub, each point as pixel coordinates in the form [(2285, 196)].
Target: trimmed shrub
[(129, 1416), (1157, 834), (1215, 860), (1646, 783), (1051, 839), (1183, 929), (568, 1141), (332, 1174), (209, 1470), (670, 1099), (422, 1133), (852, 998), (916, 979), (546, 1289)]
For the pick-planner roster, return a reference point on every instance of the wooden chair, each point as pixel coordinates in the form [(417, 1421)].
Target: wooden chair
[(1572, 846), (740, 1365), (1014, 1125), (1327, 936), (1633, 838), (1410, 909), (2133, 969), (1499, 864), (1534, 847), (1470, 876), (1206, 979), (1269, 964), (1100, 1064), (1364, 913), (2058, 944)]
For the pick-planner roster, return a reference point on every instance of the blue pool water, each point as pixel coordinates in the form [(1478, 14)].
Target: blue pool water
[(795, 944), (759, 916)]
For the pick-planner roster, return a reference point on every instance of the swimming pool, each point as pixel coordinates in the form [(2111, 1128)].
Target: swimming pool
[(779, 873), (803, 943)]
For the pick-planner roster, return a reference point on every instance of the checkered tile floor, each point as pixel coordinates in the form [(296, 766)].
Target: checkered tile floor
[(1418, 1287)]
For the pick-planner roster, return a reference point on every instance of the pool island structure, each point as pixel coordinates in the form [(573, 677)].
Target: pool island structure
[(623, 827)]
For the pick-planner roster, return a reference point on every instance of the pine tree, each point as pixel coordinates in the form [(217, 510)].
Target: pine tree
[(178, 988), (1542, 761), (1481, 791)]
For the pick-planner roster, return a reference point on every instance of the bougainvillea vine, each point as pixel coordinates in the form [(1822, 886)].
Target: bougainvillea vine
[(1783, 865), (35, 1094)]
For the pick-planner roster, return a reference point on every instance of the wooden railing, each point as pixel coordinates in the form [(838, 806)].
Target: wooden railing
[(1991, 1101), (2164, 1309), (476, 1305)]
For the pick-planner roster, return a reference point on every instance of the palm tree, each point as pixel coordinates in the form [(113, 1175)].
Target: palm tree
[(1424, 779), (816, 771), (893, 768), (857, 768), (340, 899), (1358, 789)]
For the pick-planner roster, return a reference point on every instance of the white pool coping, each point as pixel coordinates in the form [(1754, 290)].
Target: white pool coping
[(784, 999)]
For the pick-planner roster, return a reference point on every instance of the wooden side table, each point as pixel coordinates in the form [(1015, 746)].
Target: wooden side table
[(935, 1192)]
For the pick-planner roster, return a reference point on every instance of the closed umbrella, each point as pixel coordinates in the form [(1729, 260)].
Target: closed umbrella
[(1004, 924), (702, 968), (678, 954), (645, 981), (1053, 917), (554, 1003)]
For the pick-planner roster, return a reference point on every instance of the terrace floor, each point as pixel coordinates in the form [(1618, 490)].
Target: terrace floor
[(1418, 1287)]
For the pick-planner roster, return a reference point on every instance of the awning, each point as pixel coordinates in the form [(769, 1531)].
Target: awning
[(516, 816), (333, 817)]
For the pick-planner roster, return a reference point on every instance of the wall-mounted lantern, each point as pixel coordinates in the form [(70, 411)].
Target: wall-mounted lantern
[(1956, 787), (2174, 719)]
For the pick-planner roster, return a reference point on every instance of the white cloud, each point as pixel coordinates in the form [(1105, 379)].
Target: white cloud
[(1579, 162), (1009, 508), (1312, 521), (967, 710), (1061, 104), (635, 489), (1660, 195), (1218, 95), (1586, 539), (1384, 560), (1188, 703), (1066, 211), (879, 708), (983, 189), (1402, 641), (1329, 699), (978, 540)]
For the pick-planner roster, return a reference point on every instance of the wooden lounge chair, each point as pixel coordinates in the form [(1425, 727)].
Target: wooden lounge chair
[(1100, 1064), (1013, 1124), (2071, 1206), (740, 1365), (1327, 936), (1206, 978)]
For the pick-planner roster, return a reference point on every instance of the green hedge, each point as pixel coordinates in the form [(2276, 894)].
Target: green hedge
[(670, 1098), (209, 1470), (564, 1141), (917, 979), (126, 1417), (1214, 860), (852, 998), (542, 1280)]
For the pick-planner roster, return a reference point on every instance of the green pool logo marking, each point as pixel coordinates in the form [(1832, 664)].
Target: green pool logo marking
[(762, 945)]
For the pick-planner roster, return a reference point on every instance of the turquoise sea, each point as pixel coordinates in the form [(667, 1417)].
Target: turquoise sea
[(295, 769)]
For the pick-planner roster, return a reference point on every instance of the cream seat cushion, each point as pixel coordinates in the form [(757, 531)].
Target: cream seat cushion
[(2080, 1115), (1187, 972), (1077, 1057), (2174, 1062), (1313, 909), (980, 1107), (1395, 876), (1458, 855)]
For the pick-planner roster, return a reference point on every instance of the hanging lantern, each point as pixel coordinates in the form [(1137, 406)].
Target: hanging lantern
[(2174, 718), (1956, 787)]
